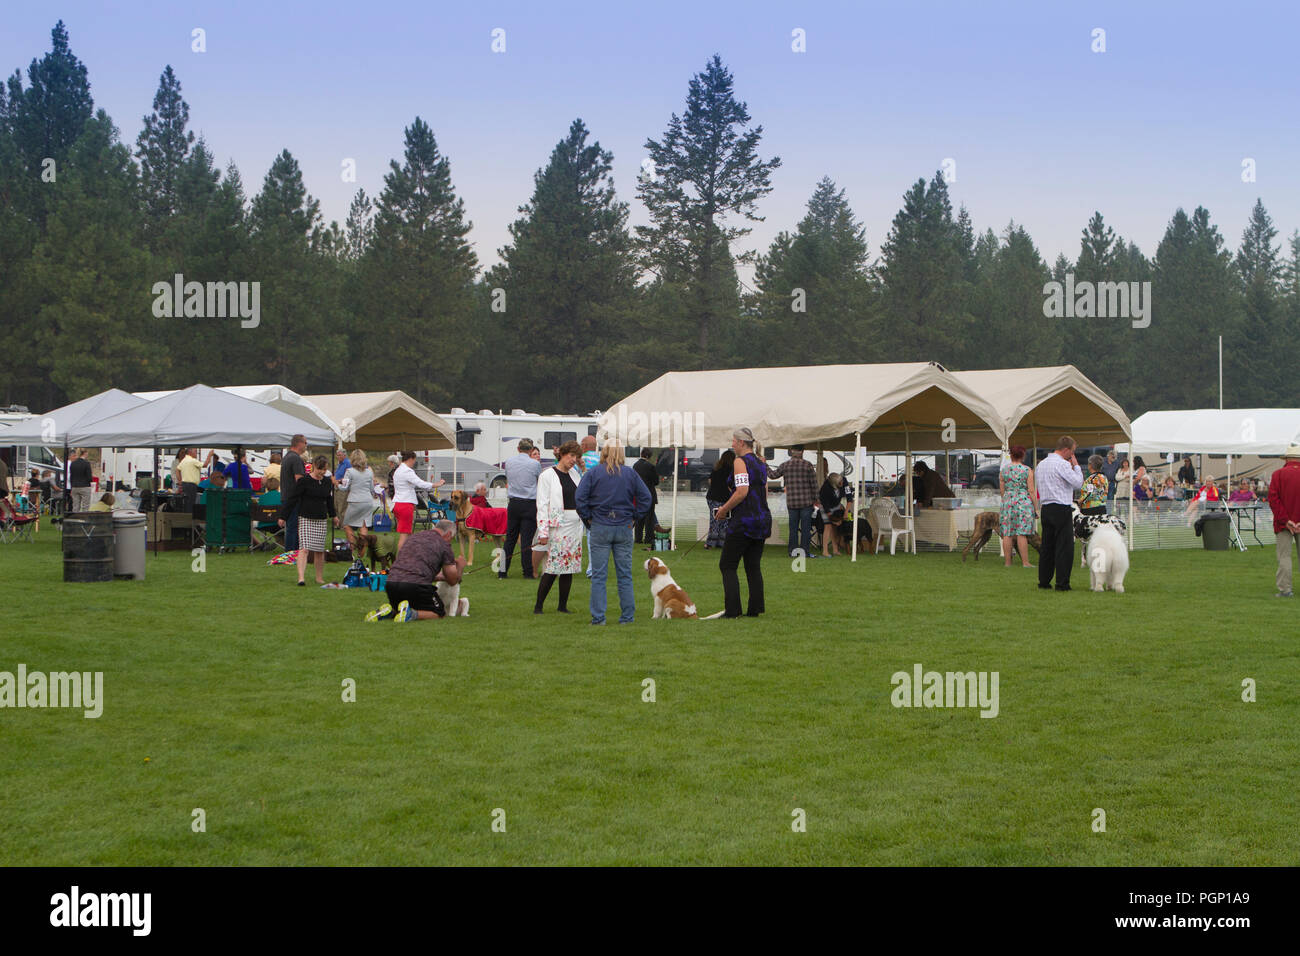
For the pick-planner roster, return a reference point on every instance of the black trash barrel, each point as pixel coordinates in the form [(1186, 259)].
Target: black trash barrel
[(88, 546)]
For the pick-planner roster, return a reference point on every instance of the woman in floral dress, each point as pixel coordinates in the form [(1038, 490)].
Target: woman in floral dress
[(1019, 513), (559, 529)]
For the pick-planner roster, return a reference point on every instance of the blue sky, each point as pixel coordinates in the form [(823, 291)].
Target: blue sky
[(1042, 129)]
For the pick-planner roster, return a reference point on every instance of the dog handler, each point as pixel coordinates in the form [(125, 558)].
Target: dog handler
[(424, 581), (1059, 478), (749, 524)]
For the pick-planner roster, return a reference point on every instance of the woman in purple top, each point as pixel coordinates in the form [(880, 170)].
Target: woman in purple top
[(749, 523)]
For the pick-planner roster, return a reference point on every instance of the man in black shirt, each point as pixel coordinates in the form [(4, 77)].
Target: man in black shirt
[(645, 527), (291, 469), (80, 478)]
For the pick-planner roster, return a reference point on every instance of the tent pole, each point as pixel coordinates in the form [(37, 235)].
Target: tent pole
[(153, 500), (672, 532), (907, 502), (857, 492)]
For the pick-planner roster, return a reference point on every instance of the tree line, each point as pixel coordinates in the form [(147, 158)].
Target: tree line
[(581, 309)]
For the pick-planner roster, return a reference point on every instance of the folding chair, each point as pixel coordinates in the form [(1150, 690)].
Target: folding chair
[(15, 526), (889, 519), (267, 532)]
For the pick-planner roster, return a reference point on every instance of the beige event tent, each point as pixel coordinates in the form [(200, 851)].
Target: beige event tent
[(890, 407), (1039, 405), (383, 421)]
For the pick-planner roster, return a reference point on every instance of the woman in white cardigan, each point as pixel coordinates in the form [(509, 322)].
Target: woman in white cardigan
[(559, 529)]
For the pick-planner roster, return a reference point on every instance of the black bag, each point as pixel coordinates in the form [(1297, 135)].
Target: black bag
[(341, 551)]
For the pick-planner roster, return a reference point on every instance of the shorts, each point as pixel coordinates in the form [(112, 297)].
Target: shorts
[(423, 597), (404, 512)]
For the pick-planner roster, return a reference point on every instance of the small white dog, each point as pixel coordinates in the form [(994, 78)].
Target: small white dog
[(670, 600), (1107, 555)]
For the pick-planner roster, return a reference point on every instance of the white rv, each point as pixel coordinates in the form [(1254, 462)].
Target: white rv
[(485, 439)]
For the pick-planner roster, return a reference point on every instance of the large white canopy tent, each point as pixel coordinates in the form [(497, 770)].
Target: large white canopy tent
[(1217, 431), (276, 396), (197, 415), (53, 427), (890, 407)]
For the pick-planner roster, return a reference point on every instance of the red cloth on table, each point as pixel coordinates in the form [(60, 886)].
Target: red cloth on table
[(487, 520)]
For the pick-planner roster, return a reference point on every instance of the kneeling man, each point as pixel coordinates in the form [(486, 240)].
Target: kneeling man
[(424, 581)]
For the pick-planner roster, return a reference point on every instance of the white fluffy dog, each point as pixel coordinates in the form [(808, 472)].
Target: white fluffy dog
[(1107, 555)]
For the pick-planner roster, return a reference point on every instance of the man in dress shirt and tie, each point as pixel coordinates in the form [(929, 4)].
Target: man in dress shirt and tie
[(1058, 477)]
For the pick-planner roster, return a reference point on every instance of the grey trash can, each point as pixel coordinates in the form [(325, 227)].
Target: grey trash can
[(1214, 531), (130, 548)]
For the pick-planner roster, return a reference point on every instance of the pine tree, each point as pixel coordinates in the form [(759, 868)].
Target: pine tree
[(419, 275), (705, 174), (163, 148), (298, 339), (91, 276), (1196, 297), (1261, 372), (50, 114), (923, 279), (813, 290), (359, 227), (569, 279)]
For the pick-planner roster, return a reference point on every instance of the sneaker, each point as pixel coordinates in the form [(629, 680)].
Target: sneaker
[(1284, 594), (404, 613), (383, 611), (463, 608)]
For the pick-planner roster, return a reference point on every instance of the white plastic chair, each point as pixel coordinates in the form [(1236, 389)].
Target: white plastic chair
[(890, 519)]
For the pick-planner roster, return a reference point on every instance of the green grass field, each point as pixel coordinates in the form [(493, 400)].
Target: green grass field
[(222, 691)]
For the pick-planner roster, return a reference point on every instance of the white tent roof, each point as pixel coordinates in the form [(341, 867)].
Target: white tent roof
[(198, 415), (276, 396), (386, 420), (892, 406), (1036, 406), (1240, 431), (53, 428)]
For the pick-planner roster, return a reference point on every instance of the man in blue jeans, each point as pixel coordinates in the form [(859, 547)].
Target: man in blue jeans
[(800, 496), (610, 498)]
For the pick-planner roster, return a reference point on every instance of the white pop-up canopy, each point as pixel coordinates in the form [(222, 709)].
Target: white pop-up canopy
[(1039, 405), (889, 407), (198, 415), (386, 420), (276, 396), (53, 427), (1217, 431)]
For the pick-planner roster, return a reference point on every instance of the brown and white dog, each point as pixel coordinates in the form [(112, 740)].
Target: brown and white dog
[(466, 535), (987, 522), (670, 600)]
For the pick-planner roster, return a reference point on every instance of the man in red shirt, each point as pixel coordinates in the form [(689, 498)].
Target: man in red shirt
[(1284, 500)]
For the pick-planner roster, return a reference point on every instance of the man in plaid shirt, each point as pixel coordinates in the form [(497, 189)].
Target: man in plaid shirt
[(800, 496)]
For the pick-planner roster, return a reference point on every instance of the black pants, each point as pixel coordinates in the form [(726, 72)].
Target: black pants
[(645, 528), (521, 523), (734, 549), (1057, 556)]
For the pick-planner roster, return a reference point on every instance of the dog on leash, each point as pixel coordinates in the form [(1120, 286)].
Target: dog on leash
[(1085, 526), (986, 523), (465, 535), (670, 600), (1107, 558)]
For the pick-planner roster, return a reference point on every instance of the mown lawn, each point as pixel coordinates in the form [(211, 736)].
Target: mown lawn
[(223, 692)]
